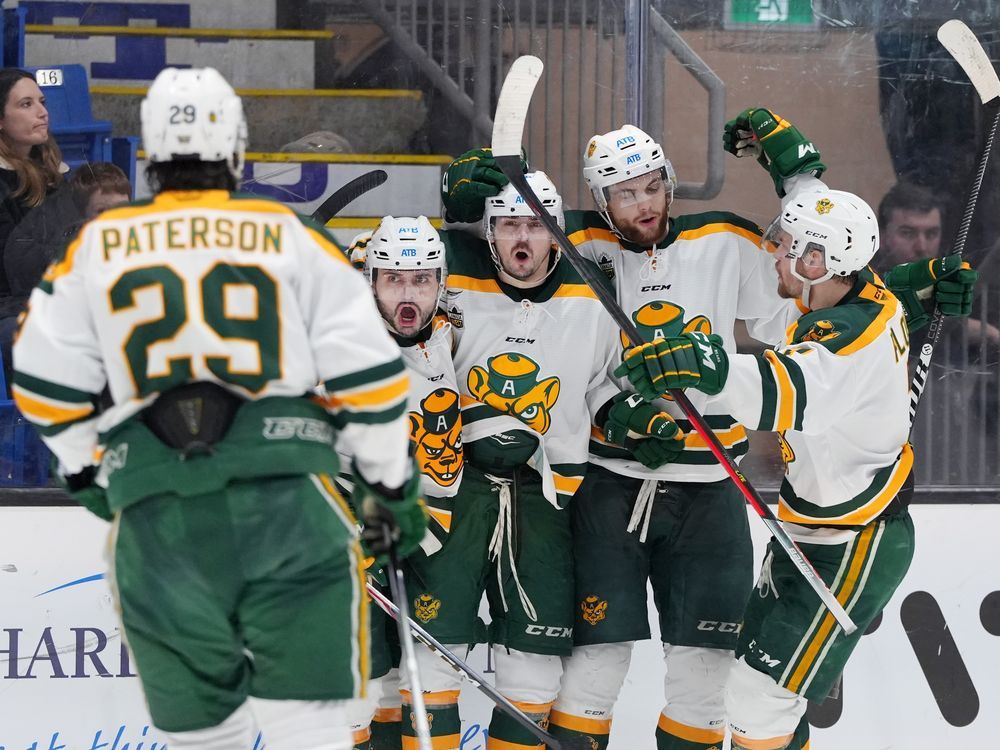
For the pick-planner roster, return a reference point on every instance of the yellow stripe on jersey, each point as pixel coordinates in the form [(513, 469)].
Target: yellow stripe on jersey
[(65, 264), (593, 233), (371, 398), (566, 485), (575, 290), (785, 410), (689, 733), (45, 412), (473, 284), (729, 438), (867, 512), (843, 593), (716, 228), (889, 306), (443, 517)]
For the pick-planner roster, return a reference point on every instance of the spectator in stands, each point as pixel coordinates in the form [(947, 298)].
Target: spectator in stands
[(43, 233), (31, 167), (910, 219)]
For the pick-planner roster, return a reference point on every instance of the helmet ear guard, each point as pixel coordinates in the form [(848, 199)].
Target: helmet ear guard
[(194, 114)]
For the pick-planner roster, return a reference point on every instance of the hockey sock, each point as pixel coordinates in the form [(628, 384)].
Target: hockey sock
[(362, 739), (592, 733), (442, 717), (507, 734), (386, 728), (800, 740), (672, 735)]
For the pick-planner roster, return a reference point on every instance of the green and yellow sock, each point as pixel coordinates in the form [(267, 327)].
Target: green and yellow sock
[(386, 729), (507, 734), (672, 735), (442, 717), (580, 731)]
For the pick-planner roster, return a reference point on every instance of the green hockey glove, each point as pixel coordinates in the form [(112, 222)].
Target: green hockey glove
[(469, 181), (691, 360), (950, 280), (780, 147), (395, 517), (651, 435), (83, 489)]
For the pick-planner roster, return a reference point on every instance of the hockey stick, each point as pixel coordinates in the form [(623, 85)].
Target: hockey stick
[(962, 44), (354, 189), (508, 128), (470, 674), (397, 586)]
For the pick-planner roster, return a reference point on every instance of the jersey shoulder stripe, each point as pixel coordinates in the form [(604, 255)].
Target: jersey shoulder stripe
[(696, 226), (853, 324)]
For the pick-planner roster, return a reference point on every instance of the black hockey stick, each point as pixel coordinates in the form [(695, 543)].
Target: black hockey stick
[(508, 128), (468, 672), (398, 588), (962, 44), (354, 189)]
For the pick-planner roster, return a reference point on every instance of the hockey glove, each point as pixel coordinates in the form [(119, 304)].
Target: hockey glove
[(950, 280), (651, 435), (778, 145), (396, 517), (469, 181), (691, 360), (83, 489)]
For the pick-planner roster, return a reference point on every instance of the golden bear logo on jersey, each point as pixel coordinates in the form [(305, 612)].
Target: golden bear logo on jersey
[(822, 330), (509, 383), (426, 607), (787, 454), (594, 609), (436, 432), (662, 319), (824, 206)]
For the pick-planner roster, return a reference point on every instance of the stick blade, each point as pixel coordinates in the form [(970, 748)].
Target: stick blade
[(962, 44), (512, 106)]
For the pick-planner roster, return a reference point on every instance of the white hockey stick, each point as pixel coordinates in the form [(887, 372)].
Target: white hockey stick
[(962, 44), (398, 588), (508, 128), (386, 605)]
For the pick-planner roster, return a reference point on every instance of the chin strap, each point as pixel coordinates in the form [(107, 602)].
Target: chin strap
[(807, 284)]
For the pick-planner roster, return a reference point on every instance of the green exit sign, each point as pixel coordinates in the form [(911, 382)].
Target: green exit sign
[(783, 14)]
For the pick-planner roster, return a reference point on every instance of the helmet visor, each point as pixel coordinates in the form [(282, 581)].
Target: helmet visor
[(519, 227), (651, 186), (780, 243)]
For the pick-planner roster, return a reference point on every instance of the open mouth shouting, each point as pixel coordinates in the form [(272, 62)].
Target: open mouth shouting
[(407, 316)]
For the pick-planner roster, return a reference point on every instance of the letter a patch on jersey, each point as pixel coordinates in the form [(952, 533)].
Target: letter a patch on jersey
[(510, 383)]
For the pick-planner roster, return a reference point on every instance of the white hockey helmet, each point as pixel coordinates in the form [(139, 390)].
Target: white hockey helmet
[(621, 155), (509, 202), (406, 243), (840, 225), (193, 114)]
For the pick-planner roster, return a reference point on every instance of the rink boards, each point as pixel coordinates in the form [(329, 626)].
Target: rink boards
[(927, 677)]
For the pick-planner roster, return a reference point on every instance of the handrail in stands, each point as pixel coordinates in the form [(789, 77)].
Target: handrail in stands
[(180, 32), (336, 93)]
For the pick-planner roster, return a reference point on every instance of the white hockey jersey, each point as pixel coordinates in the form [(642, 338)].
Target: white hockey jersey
[(838, 393), (709, 273), (539, 365), (214, 286)]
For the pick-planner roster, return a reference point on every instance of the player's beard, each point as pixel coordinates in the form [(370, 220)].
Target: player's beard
[(405, 317), (528, 265), (642, 234)]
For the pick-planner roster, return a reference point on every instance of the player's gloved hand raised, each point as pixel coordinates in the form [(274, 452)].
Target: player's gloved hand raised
[(83, 488), (777, 144), (950, 280), (469, 181), (693, 359), (391, 517), (651, 435)]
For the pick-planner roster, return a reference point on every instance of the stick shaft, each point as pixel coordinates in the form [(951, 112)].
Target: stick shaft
[(340, 199)]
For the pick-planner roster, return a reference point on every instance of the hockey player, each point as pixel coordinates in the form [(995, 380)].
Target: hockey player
[(837, 392), (532, 352), (210, 316), (681, 526), (404, 262)]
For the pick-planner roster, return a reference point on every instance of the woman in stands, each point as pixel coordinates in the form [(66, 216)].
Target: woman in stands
[(31, 168)]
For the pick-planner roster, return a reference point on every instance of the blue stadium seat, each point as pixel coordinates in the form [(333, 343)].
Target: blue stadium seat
[(81, 138), (12, 37), (24, 459)]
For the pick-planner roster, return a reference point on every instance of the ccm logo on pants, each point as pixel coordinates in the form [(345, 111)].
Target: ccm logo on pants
[(549, 631), (722, 627)]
